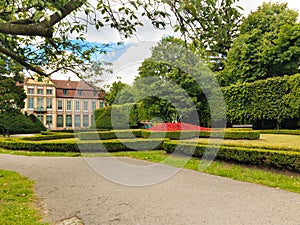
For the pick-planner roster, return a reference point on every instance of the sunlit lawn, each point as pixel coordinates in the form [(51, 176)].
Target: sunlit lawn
[(277, 141)]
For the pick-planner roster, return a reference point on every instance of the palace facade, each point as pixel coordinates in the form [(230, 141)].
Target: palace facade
[(62, 104)]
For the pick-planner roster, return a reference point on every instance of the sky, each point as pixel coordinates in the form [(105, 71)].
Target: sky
[(128, 57)]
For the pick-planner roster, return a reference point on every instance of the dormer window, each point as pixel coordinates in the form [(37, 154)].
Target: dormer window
[(66, 92)]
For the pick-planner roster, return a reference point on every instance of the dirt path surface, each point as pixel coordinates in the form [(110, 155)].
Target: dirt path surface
[(70, 188)]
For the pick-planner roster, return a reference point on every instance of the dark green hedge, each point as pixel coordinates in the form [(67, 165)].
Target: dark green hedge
[(123, 116), (112, 134), (18, 123), (48, 137), (92, 146), (292, 132), (275, 99), (177, 135), (289, 160)]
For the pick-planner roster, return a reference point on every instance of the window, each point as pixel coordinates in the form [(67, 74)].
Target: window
[(79, 92), (66, 92), (69, 121), (49, 91), (49, 120), (30, 90), (60, 121), (86, 106), (93, 106), (101, 104), (77, 121), (40, 91), (40, 117), (95, 93), (30, 103), (92, 119), (40, 104), (49, 103), (59, 105), (69, 105), (85, 120), (77, 105)]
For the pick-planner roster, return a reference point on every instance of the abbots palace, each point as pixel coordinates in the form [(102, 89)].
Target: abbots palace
[(62, 104)]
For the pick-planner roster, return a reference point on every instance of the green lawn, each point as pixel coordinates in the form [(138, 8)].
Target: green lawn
[(271, 141), (17, 200)]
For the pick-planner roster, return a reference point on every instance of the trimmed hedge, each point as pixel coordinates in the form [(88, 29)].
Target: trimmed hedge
[(177, 135), (291, 132), (289, 160), (112, 134), (48, 137), (92, 146), (276, 98)]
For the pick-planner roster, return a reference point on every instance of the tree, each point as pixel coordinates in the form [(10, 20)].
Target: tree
[(119, 93), (11, 95), (167, 88), (268, 45), (39, 34)]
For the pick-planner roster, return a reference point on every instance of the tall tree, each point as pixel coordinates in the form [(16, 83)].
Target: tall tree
[(119, 93), (172, 80), (39, 34), (268, 45)]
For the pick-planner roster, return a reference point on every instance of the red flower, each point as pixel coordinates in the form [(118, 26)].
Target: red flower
[(177, 127)]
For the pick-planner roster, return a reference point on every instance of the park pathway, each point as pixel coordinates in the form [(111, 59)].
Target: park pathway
[(69, 187)]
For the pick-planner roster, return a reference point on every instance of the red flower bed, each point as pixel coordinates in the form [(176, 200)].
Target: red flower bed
[(177, 127)]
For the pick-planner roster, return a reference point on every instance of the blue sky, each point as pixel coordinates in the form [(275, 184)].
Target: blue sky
[(126, 58)]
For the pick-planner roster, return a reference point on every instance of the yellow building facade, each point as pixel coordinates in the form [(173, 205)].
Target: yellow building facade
[(61, 104)]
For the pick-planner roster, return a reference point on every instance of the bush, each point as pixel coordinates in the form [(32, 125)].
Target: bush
[(18, 123), (91, 146), (37, 123), (292, 132), (177, 135), (123, 116), (48, 137), (289, 160), (112, 134)]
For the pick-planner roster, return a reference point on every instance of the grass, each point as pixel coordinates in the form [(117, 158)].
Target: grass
[(17, 200), (268, 141)]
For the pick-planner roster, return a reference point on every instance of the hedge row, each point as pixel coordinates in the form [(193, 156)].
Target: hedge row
[(276, 98), (292, 132), (289, 160), (112, 134), (92, 146), (177, 135), (48, 137)]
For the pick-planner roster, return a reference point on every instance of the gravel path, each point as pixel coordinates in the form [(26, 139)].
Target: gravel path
[(70, 188)]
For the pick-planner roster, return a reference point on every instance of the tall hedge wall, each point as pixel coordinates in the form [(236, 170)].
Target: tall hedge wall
[(120, 114), (275, 99)]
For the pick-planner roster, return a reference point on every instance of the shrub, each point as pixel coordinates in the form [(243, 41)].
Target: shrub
[(176, 135), (289, 160), (112, 134), (37, 123), (48, 137), (17, 122), (91, 146), (292, 132), (123, 116)]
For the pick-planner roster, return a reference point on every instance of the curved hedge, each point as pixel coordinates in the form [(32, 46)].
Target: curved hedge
[(112, 134), (177, 135), (91, 146), (289, 160)]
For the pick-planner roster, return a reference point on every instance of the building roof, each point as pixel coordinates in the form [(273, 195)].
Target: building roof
[(73, 88), (75, 85)]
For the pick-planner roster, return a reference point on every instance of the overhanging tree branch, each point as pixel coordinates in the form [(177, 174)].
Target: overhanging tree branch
[(44, 28), (22, 61)]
